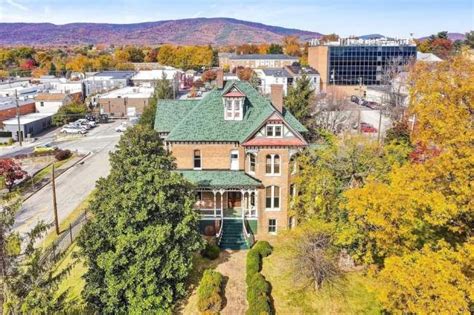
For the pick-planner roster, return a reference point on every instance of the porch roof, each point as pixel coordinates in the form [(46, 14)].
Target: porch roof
[(220, 178)]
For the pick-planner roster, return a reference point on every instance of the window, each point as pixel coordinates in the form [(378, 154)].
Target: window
[(233, 108), (234, 160), (272, 226), (272, 198), (272, 164), (252, 162), (42, 104), (197, 159), (198, 196), (274, 131)]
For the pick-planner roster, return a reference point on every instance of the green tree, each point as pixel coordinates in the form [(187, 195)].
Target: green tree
[(148, 116), (29, 285), (52, 69), (140, 244), (164, 88), (275, 49), (299, 98), (68, 113), (469, 41)]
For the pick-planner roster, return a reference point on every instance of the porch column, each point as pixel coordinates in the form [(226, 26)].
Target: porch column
[(257, 201), (222, 191), (242, 202), (215, 205)]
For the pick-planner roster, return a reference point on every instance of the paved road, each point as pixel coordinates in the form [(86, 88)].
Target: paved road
[(76, 183)]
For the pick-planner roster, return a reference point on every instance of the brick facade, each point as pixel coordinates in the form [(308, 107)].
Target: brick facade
[(117, 107), (11, 112)]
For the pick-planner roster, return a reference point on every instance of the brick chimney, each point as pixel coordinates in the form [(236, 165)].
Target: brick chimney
[(277, 96), (220, 78)]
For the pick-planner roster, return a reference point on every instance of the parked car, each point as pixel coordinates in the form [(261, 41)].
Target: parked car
[(123, 126), (371, 105), (367, 128), (73, 129), (86, 122), (103, 118)]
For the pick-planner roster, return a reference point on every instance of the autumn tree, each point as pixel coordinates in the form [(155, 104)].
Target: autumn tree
[(11, 171), (139, 246), (208, 76), (469, 41), (291, 45), (329, 38)]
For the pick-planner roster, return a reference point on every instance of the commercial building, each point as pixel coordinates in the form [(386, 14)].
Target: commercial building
[(351, 64), (126, 102), (51, 102), (149, 78), (238, 148), (30, 125), (254, 61), (8, 108)]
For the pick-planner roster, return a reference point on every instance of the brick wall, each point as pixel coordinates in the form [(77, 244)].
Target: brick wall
[(11, 112), (117, 107)]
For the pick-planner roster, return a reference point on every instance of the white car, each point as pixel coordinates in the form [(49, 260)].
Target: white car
[(123, 126), (68, 129), (86, 123)]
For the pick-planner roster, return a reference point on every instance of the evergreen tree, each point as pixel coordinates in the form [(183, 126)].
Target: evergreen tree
[(140, 244), (275, 49), (298, 99), (52, 69), (164, 89)]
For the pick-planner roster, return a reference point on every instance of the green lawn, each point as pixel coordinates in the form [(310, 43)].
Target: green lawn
[(352, 296)]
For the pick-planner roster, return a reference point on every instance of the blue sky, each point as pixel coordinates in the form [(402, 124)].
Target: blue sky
[(345, 17)]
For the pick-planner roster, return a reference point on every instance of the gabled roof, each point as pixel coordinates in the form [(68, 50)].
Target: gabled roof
[(219, 178), (171, 112), (205, 120)]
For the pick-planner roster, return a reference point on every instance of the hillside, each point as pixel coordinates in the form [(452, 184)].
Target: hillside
[(198, 31)]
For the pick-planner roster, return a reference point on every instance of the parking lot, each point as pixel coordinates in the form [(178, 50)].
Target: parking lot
[(74, 185)]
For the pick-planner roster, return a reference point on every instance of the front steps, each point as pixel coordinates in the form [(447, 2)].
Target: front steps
[(232, 235)]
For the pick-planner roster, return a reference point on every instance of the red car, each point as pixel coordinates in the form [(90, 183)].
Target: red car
[(367, 128)]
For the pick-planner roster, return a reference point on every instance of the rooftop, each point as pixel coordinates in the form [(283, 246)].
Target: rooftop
[(204, 121), (9, 102), (50, 97), (365, 42), (427, 57), (276, 72), (219, 178), (130, 92), (155, 74), (116, 74), (26, 119), (262, 57)]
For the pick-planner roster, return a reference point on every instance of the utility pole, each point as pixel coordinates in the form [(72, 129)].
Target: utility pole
[(380, 125), (18, 118), (55, 206)]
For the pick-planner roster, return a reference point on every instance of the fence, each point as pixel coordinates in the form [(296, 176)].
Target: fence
[(65, 239)]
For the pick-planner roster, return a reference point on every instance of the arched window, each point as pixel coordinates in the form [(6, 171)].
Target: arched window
[(197, 159), (272, 164), (272, 198)]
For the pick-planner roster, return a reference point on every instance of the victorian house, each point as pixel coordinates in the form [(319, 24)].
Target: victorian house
[(236, 146)]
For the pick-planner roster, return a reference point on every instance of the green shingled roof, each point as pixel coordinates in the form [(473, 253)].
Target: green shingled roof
[(220, 178), (171, 112), (205, 119)]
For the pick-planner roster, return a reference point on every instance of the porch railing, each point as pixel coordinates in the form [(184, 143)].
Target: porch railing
[(249, 237), (210, 213), (219, 233)]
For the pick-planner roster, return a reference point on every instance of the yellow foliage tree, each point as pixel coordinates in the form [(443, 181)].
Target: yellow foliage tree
[(428, 282), (291, 46)]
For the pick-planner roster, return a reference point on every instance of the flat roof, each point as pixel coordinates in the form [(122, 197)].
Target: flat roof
[(26, 119), (130, 92), (276, 72), (115, 74), (9, 102), (155, 74), (262, 57)]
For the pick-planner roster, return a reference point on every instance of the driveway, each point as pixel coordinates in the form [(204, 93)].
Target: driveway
[(74, 185)]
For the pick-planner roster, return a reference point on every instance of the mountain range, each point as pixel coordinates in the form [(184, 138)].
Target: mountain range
[(196, 31)]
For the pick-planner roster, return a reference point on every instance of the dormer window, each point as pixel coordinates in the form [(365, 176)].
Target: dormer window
[(234, 105)]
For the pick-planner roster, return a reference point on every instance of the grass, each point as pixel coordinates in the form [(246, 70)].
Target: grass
[(64, 225), (73, 283), (351, 296)]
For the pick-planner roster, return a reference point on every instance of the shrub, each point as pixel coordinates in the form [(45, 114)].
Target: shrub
[(211, 251), (209, 292), (263, 248), (62, 155), (253, 264), (258, 293)]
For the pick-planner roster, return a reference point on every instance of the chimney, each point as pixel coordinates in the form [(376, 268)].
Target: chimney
[(220, 78), (277, 96)]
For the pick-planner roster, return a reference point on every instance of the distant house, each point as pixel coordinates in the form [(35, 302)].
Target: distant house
[(298, 71), (427, 57), (286, 76), (126, 102), (256, 61), (51, 102)]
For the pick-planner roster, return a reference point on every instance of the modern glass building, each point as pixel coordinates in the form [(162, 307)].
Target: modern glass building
[(360, 62)]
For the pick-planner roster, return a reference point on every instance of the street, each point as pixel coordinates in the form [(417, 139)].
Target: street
[(74, 185)]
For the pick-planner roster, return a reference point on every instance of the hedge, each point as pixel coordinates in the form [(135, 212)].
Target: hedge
[(210, 292), (258, 289)]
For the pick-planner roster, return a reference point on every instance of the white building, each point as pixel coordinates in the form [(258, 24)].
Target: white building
[(269, 76), (149, 78), (49, 103)]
